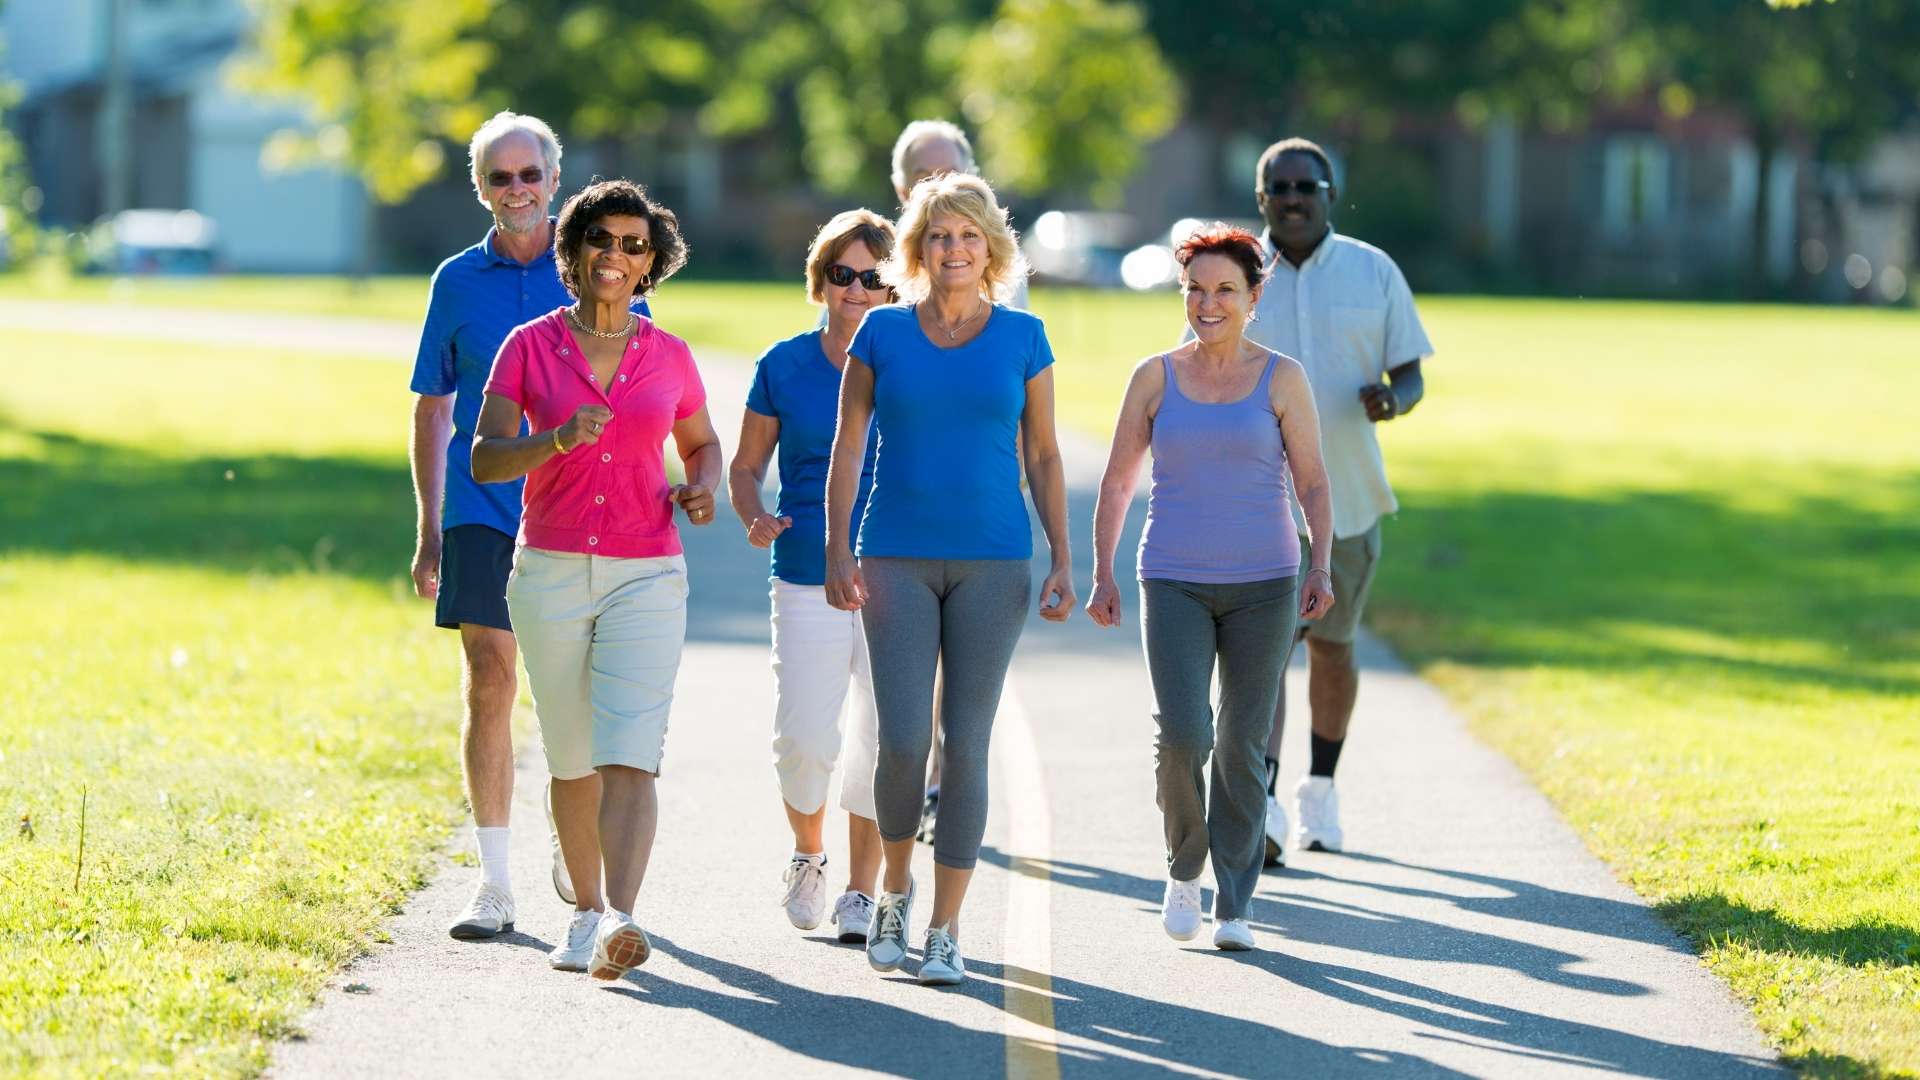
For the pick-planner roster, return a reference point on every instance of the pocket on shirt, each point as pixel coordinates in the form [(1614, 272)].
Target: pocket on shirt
[(1360, 335)]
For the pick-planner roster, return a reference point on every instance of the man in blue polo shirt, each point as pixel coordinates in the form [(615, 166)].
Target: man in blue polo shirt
[(464, 549)]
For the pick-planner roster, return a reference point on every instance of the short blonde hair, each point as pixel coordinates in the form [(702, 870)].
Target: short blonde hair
[(839, 234), (966, 196)]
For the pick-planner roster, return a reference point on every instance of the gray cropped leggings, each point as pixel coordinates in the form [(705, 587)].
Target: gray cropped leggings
[(1248, 627), (966, 615)]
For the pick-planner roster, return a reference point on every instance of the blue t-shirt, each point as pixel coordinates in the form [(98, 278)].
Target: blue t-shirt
[(947, 482), (476, 299), (796, 384)]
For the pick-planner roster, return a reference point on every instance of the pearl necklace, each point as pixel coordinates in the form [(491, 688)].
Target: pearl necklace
[(632, 321)]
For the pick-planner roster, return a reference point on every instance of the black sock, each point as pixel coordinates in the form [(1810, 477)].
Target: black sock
[(1326, 754), (1273, 773)]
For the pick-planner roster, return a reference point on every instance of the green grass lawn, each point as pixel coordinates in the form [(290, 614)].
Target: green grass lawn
[(1667, 557), (1662, 555), (206, 639)]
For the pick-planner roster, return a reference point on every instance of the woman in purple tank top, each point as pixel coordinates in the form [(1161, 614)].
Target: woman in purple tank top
[(1229, 424)]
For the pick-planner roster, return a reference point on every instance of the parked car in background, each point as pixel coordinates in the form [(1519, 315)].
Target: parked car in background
[(153, 242), (1151, 265), (1080, 247)]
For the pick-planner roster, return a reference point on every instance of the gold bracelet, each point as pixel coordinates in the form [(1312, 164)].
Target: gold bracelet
[(556, 442)]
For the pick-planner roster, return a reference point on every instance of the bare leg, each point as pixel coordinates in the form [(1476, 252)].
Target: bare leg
[(576, 818), (489, 684), (949, 892), (629, 812), (863, 853), (808, 829), (899, 860), (1333, 685)]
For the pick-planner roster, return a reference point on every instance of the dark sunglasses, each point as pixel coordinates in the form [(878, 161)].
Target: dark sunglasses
[(1277, 188), (602, 239), (841, 276), (529, 176)]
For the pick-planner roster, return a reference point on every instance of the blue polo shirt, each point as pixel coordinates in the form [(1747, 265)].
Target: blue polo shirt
[(476, 299), (796, 384), (946, 484)]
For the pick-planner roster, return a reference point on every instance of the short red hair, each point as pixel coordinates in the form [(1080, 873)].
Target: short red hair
[(1220, 238)]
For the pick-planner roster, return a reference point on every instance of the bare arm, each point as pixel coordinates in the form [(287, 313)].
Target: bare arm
[(845, 588), (758, 436), (1132, 437), (698, 445), (501, 453), (427, 453), (1292, 399), (1046, 477), (1396, 397)]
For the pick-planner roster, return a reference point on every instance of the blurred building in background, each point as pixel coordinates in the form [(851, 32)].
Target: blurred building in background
[(154, 69)]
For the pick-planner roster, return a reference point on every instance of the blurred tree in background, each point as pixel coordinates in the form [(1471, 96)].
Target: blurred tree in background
[(17, 195), (386, 82), (1067, 91)]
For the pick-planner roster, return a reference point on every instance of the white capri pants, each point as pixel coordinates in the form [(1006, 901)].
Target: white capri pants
[(601, 638), (820, 653)]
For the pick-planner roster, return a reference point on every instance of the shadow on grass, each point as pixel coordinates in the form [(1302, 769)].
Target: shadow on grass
[(1713, 919), (250, 514), (1661, 581)]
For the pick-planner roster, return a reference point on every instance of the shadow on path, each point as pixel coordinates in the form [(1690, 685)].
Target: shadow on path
[(1319, 921)]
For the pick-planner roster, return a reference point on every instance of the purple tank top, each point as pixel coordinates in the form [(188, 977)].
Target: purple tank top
[(1221, 508)]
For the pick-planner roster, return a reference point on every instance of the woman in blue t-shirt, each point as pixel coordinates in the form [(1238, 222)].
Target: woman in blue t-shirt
[(818, 652), (957, 389)]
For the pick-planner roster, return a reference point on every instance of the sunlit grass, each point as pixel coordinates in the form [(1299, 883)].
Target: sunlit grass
[(207, 641)]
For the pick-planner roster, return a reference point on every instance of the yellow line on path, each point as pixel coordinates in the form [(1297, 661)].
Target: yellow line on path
[(1033, 1048)]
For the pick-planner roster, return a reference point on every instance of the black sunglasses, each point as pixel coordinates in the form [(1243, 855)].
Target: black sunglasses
[(1277, 188), (529, 176), (842, 275), (602, 239)]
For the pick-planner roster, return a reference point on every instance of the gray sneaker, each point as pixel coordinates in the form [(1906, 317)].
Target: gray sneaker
[(940, 960), (887, 939)]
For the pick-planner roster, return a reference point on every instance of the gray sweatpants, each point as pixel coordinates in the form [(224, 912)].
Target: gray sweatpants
[(1247, 628), (966, 616)]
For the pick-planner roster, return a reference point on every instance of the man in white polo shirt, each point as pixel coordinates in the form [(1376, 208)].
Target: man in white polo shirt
[(1342, 308)]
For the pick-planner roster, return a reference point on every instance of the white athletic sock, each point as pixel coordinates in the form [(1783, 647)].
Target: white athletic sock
[(817, 856), (492, 842)]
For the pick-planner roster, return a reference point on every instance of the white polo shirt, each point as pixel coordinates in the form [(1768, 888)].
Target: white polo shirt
[(1347, 315)]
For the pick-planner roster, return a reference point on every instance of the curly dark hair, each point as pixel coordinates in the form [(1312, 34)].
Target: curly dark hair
[(617, 198), (1221, 239)]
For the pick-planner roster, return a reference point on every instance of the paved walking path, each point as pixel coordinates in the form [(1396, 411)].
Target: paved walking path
[(1466, 933)]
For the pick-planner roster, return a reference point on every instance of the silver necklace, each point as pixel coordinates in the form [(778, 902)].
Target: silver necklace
[(962, 324), (632, 321)]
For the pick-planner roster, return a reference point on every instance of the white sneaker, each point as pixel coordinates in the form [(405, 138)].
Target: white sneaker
[(1234, 935), (1180, 909), (619, 946), (853, 914), (1318, 806), (490, 912), (887, 937), (1276, 833), (578, 951), (806, 899), (940, 960), (562, 881)]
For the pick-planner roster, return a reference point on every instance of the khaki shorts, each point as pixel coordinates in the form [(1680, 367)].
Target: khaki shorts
[(601, 638), (1355, 559)]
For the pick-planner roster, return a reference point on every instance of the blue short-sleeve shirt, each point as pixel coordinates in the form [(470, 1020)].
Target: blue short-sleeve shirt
[(946, 484), (476, 299), (796, 384)]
